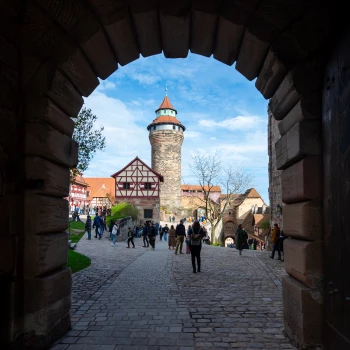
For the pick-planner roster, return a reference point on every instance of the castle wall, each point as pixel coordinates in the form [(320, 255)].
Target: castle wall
[(142, 203), (166, 160), (275, 176)]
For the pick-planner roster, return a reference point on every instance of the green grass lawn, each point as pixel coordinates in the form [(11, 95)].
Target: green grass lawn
[(77, 261), (77, 225)]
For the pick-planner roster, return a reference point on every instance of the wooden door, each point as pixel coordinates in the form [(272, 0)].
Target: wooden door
[(336, 132)]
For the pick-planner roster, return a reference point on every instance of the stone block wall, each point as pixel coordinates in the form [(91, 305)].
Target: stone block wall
[(275, 176), (142, 203), (166, 160)]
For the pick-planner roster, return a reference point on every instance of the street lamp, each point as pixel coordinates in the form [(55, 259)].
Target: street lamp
[(278, 209)]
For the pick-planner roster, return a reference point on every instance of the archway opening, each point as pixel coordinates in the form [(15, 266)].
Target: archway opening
[(60, 62)]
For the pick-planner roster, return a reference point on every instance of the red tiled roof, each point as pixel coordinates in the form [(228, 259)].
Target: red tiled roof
[(166, 104), (199, 188), (79, 180), (166, 119), (100, 186), (253, 193)]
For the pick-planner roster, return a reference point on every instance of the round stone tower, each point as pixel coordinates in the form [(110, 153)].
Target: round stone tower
[(166, 134)]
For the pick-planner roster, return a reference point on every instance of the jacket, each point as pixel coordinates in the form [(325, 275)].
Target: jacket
[(180, 230), (98, 221), (275, 234), (88, 224)]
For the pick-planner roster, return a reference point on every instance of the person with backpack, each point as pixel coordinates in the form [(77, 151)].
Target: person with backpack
[(180, 233), (195, 238), (130, 238), (276, 232)]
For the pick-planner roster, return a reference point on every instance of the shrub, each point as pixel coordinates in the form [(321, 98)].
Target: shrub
[(122, 210)]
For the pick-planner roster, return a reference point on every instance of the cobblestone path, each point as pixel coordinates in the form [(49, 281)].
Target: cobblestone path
[(143, 299)]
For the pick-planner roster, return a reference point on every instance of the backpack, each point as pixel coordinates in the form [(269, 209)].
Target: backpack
[(196, 238)]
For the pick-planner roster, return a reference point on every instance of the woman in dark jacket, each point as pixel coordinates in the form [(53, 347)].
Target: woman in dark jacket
[(239, 239), (195, 238)]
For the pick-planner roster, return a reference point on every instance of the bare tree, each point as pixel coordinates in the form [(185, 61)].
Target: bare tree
[(210, 173)]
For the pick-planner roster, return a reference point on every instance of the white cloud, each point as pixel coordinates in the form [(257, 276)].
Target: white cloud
[(146, 79), (125, 137), (237, 123), (106, 85)]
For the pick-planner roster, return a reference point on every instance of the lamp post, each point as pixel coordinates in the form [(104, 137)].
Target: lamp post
[(278, 209)]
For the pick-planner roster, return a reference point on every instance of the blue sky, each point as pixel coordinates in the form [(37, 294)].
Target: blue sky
[(221, 110)]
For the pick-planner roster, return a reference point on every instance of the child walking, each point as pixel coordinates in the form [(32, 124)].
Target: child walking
[(130, 238)]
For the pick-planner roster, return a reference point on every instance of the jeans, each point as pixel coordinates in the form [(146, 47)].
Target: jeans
[(161, 236), (101, 231), (113, 238), (89, 234), (97, 231), (145, 241), (165, 237), (275, 247), (179, 242)]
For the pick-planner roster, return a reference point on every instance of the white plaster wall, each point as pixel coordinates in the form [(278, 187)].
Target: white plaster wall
[(246, 207)]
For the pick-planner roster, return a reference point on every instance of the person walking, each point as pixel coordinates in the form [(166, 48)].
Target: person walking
[(98, 226), (180, 233), (114, 233), (239, 239), (196, 235), (172, 239), (130, 238), (276, 232), (110, 228), (161, 232), (255, 244), (88, 226), (188, 238), (145, 236), (152, 236), (165, 232)]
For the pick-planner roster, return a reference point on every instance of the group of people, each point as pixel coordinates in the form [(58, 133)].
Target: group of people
[(99, 224), (277, 238)]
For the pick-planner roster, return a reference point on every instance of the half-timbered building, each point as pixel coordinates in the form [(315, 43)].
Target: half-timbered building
[(139, 185)]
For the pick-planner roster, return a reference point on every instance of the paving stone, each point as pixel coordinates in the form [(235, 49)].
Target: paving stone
[(143, 299)]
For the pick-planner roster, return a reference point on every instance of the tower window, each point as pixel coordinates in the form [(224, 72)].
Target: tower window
[(154, 128), (174, 127), (148, 186), (148, 213), (126, 185)]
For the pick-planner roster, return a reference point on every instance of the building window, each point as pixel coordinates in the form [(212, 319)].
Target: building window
[(154, 128), (174, 127), (148, 186), (126, 185), (148, 213)]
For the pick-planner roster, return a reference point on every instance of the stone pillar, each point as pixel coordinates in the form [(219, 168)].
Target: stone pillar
[(299, 161), (166, 160), (275, 176)]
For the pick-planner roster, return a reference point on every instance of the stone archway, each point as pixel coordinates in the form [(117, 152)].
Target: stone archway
[(53, 53)]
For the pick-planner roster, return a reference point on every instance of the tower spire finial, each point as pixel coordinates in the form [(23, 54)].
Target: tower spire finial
[(166, 89)]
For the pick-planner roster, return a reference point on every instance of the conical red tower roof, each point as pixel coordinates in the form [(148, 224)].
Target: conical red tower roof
[(166, 104)]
